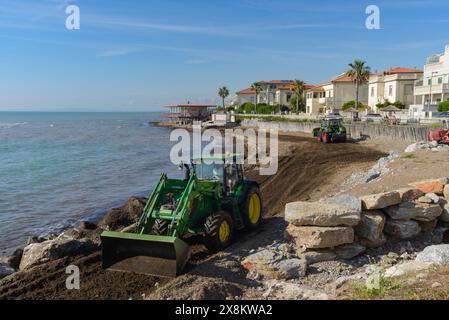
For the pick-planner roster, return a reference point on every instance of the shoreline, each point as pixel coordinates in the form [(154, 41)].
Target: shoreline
[(222, 272)]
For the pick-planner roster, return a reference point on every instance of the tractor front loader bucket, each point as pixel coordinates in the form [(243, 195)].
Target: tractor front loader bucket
[(144, 254)]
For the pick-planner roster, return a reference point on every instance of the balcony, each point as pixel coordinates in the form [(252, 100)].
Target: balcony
[(436, 89)]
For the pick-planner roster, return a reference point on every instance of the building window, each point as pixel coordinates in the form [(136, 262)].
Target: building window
[(440, 80), (289, 97), (390, 91), (372, 91), (429, 82)]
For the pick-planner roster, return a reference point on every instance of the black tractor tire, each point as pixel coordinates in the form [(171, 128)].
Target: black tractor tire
[(246, 216), (212, 239), (160, 227)]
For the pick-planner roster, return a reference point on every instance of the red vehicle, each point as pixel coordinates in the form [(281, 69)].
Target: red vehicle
[(440, 135)]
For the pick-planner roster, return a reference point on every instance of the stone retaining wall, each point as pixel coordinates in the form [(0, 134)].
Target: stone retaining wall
[(345, 226), (359, 130)]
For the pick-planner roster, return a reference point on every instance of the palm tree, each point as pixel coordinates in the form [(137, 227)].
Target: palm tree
[(298, 89), (360, 72), (257, 89), (223, 92)]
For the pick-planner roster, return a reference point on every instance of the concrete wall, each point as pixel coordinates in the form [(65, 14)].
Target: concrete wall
[(405, 133)]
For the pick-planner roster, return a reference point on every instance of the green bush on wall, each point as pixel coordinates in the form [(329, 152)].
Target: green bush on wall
[(443, 106), (351, 104)]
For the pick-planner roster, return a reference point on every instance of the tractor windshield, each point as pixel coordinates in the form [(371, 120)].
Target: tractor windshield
[(209, 171)]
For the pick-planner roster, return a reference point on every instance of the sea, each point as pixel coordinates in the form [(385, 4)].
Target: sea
[(58, 169)]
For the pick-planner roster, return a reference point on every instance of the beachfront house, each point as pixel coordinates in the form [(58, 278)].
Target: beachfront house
[(186, 114), (333, 94), (273, 92), (395, 84), (433, 88)]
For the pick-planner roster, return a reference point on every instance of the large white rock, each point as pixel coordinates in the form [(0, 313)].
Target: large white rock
[(415, 211), (408, 267), (402, 229), (435, 254), (320, 237), (279, 290), (273, 265), (381, 200), (371, 225), (38, 253), (340, 211)]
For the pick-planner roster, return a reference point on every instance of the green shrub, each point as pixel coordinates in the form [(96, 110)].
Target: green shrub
[(443, 106), (247, 107), (397, 104), (351, 104)]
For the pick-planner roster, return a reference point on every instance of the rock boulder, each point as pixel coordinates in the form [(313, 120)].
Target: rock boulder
[(38, 253), (343, 211), (415, 210), (381, 200), (320, 237), (402, 229), (129, 213), (438, 255), (431, 186), (371, 225)]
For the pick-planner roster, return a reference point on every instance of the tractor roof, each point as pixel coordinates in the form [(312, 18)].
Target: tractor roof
[(221, 156)]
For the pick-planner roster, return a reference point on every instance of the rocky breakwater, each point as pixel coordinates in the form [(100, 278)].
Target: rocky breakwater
[(78, 241)]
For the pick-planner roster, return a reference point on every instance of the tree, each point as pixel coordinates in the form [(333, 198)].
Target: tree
[(257, 89), (223, 92), (298, 89), (360, 72), (443, 106)]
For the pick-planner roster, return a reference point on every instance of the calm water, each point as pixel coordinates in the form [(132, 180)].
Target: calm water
[(59, 168)]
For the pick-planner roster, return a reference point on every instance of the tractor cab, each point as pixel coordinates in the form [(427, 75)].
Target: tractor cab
[(223, 169)]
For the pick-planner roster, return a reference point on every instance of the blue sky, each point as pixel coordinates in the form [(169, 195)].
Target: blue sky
[(139, 55)]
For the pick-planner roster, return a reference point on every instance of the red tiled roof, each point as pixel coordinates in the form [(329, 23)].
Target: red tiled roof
[(247, 91), (402, 70)]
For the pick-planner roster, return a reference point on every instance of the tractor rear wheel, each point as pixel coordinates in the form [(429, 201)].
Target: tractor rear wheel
[(219, 231), (160, 227), (252, 209)]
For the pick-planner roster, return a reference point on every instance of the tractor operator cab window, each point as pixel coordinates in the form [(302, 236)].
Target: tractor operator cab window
[(232, 176), (209, 171)]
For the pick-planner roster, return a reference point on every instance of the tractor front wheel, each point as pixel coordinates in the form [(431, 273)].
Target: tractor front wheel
[(252, 209), (219, 231)]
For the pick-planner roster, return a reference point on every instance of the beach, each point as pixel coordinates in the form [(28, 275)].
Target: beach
[(307, 171)]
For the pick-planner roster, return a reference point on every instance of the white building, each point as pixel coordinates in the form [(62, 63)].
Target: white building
[(274, 92), (333, 94), (433, 89), (395, 84)]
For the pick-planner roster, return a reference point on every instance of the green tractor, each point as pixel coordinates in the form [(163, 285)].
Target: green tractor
[(213, 201), (332, 130)]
